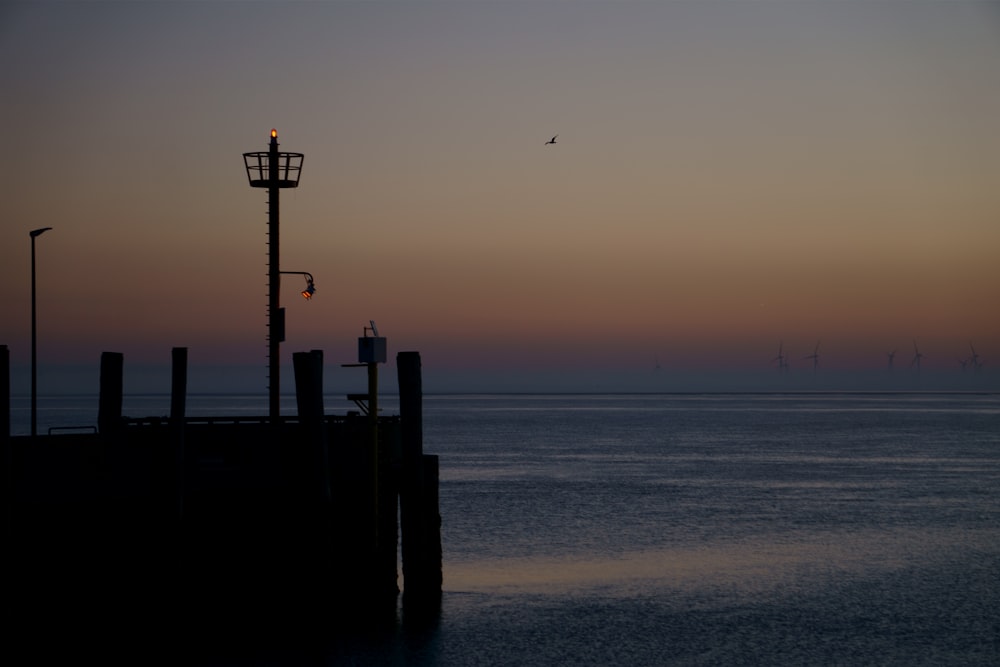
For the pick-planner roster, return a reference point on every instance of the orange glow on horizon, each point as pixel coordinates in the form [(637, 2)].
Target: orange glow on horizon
[(786, 197)]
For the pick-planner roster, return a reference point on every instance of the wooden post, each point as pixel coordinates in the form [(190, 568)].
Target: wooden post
[(411, 408), (178, 414), (376, 463), (109, 413), (309, 399), (309, 518), (178, 383), (420, 518), (411, 443), (4, 392), (7, 477), (430, 578)]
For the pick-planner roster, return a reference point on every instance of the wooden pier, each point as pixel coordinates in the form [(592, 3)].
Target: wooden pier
[(225, 519)]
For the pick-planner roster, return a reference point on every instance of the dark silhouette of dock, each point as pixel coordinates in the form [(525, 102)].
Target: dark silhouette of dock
[(175, 526), (223, 522)]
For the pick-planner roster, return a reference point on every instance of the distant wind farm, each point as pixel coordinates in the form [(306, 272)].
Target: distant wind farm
[(971, 361)]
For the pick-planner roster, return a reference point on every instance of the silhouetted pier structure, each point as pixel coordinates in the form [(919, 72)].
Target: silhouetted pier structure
[(225, 519)]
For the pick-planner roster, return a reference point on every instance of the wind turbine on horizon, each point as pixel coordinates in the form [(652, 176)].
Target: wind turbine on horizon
[(782, 363), (976, 364), (917, 356), (814, 356), (891, 356)]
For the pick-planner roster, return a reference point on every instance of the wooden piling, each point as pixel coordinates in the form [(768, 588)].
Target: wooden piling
[(178, 384), (384, 527), (411, 442), (308, 368), (109, 411), (376, 458), (4, 392), (178, 414), (430, 578), (307, 521), (6, 475), (420, 516), (411, 407), (386, 581)]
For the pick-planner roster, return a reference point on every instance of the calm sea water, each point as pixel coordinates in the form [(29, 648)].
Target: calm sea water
[(691, 530)]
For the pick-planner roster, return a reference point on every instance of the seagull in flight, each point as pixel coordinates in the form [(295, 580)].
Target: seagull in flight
[(551, 141)]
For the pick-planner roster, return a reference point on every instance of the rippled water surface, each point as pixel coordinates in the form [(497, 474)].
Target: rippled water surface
[(811, 529), (705, 529)]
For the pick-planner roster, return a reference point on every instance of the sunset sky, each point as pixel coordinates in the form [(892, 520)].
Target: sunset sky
[(727, 175)]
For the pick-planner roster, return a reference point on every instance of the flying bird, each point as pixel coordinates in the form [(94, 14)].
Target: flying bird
[(551, 141)]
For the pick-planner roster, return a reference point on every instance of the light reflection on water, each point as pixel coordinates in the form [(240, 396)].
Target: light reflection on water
[(749, 567)]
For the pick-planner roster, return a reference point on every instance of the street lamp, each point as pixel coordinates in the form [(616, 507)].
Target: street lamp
[(277, 325), (310, 289), (35, 233)]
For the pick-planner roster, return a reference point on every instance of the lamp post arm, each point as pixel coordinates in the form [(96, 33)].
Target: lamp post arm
[(310, 289), (308, 275)]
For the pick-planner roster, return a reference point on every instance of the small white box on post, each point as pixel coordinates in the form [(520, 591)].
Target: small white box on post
[(372, 349)]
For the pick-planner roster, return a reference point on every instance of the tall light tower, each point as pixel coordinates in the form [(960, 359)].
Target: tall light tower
[(273, 170)]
